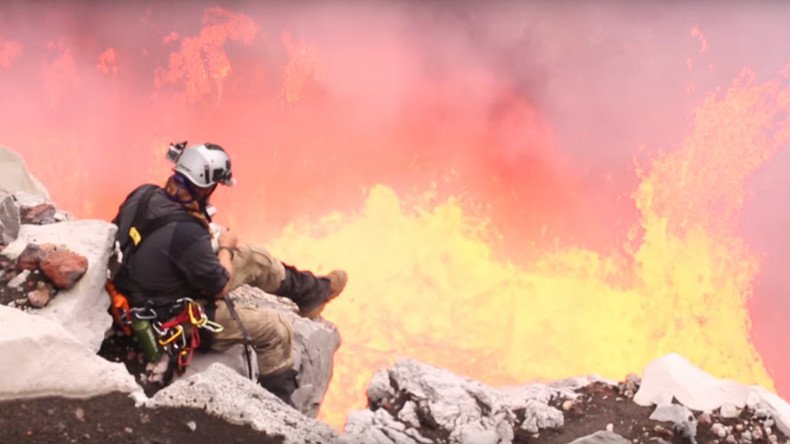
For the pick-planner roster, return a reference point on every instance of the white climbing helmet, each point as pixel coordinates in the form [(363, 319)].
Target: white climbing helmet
[(204, 165)]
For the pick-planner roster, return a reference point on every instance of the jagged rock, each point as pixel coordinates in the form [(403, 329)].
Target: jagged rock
[(82, 310), (413, 402), (223, 393), (729, 411), (9, 217), (40, 214), (15, 178), (41, 358), (233, 358), (315, 343), (673, 376), (537, 416), (601, 437), (672, 413), (63, 268)]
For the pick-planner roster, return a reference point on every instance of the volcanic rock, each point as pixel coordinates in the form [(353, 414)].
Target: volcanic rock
[(9, 217), (40, 296), (41, 358), (82, 309), (63, 268), (222, 392), (413, 402), (30, 257), (15, 178), (601, 437), (672, 376), (315, 342), (40, 214)]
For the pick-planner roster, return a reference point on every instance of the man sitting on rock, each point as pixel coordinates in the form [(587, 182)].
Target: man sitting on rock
[(174, 259)]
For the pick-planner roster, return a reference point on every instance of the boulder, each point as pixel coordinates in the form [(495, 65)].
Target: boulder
[(601, 437), (15, 178), (63, 268), (672, 376), (416, 403), (82, 310), (222, 392), (315, 343), (233, 358), (9, 217), (41, 358)]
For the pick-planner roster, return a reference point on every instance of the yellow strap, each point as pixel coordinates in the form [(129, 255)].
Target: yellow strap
[(135, 235)]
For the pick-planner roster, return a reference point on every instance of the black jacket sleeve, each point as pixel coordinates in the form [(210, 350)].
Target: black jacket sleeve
[(194, 257)]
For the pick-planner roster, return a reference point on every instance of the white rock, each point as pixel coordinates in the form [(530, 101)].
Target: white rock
[(18, 279), (718, 430), (41, 358), (82, 310), (9, 217), (379, 387), (729, 411), (539, 415), (233, 358), (15, 177), (673, 375), (602, 437), (408, 415), (222, 392), (671, 413)]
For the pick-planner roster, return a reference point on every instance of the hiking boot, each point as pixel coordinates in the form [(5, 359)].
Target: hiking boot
[(337, 282)]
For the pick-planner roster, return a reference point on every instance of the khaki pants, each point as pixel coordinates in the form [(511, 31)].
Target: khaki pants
[(270, 331)]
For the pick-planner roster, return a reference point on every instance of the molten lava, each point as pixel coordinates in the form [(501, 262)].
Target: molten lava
[(488, 177)]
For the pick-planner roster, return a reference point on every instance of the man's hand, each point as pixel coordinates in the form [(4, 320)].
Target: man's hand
[(228, 239)]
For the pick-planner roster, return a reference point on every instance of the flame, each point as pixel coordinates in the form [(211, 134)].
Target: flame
[(201, 63), (424, 283)]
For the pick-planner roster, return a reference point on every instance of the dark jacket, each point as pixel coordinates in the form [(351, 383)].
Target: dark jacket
[(172, 262)]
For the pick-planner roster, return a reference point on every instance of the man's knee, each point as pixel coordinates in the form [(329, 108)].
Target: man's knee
[(255, 266)]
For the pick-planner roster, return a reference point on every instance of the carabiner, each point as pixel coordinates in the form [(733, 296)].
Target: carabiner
[(140, 313), (197, 322), (212, 326), (179, 331)]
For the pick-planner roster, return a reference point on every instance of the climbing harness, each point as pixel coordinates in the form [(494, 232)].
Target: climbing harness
[(179, 336)]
